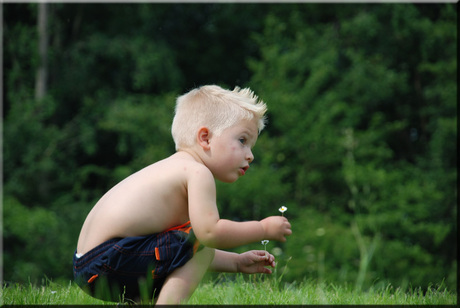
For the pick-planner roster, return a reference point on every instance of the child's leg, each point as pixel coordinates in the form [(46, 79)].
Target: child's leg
[(180, 285)]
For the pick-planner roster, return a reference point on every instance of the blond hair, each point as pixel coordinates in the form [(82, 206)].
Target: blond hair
[(215, 108)]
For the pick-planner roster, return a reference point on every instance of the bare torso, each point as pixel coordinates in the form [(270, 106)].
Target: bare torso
[(147, 202)]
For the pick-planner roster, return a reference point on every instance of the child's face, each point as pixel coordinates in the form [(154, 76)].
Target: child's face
[(231, 151)]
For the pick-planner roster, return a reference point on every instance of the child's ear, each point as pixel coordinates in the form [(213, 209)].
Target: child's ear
[(203, 137)]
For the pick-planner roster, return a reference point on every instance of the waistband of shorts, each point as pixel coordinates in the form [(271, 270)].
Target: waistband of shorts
[(101, 248), (186, 226), (95, 252)]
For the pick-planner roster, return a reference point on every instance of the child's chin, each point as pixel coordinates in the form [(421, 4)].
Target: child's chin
[(229, 179)]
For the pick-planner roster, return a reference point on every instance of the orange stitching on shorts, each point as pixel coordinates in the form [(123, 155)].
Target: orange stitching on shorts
[(157, 253), (183, 228), (93, 278)]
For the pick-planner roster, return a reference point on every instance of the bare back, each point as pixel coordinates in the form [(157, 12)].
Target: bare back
[(147, 202)]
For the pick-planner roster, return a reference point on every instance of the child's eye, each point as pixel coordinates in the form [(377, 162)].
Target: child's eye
[(243, 140)]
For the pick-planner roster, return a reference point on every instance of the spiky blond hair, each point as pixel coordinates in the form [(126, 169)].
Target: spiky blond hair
[(215, 108)]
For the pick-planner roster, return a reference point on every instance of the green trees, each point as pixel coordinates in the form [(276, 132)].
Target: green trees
[(353, 115), (360, 145)]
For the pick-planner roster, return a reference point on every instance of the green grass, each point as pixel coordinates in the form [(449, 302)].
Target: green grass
[(49, 294), (269, 292), (244, 291)]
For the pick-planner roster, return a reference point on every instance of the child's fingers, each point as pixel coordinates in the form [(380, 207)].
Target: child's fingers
[(261, 253), (269, 259), (267, 270), (264, 256)]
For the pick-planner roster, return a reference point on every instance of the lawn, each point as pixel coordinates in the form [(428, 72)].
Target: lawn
[(239, 290)]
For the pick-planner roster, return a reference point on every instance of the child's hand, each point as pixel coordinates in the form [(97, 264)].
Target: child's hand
[(276, 228), (254, 261)]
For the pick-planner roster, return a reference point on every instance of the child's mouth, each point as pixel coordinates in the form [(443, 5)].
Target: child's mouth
[(243, 170)]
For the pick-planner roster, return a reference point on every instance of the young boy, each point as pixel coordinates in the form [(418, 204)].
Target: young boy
[(158, 231)]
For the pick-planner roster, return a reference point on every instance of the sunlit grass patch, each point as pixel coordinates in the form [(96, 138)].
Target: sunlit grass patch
[(263, 291), (244, 290), (50, 293)]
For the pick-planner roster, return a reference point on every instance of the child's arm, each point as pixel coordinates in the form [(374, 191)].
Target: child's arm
[(250, 262), (214, 232)]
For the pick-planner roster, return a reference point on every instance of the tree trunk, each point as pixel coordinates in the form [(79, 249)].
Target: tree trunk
[(42, 72)]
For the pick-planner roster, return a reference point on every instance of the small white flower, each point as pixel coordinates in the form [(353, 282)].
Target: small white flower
[(282, 209), (265, 242)]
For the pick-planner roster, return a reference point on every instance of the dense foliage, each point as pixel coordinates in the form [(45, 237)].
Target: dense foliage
[(361, 144)]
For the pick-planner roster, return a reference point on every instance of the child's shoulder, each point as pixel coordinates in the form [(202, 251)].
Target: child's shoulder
[(183, 161), (188, 165)]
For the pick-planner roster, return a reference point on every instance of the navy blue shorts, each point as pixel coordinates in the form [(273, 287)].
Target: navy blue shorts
[(134, 267)]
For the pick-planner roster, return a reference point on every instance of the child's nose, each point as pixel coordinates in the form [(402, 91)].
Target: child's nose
[(250, 156)]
